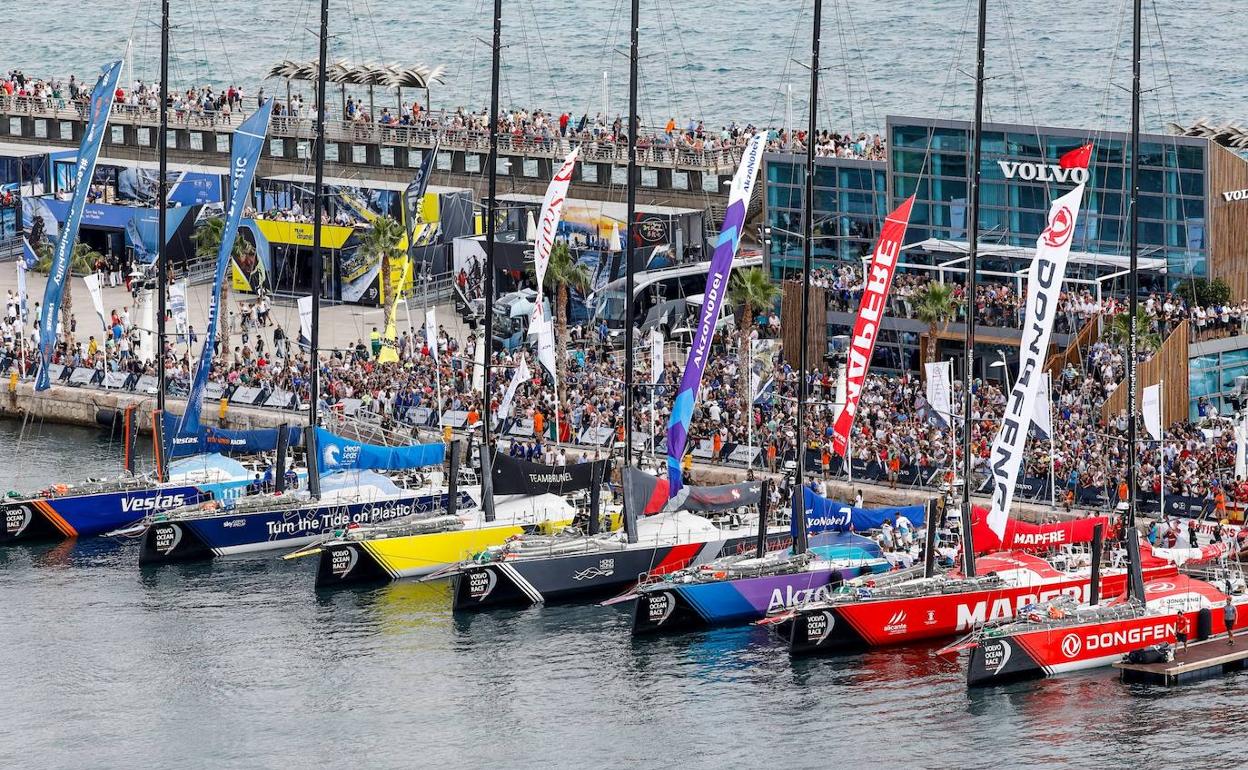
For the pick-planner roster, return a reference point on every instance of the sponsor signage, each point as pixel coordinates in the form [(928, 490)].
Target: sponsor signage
[(1235, 195), (1042, 172)]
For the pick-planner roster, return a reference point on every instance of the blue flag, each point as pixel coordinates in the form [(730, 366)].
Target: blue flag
[(824, 515), (244, 157), (340, 454), (84, 170)]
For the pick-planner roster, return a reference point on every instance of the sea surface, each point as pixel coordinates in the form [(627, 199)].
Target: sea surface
[(1059, 62), (241, 663)]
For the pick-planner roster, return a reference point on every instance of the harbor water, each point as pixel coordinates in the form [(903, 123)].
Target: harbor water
[(1050, 63), (240, 663)]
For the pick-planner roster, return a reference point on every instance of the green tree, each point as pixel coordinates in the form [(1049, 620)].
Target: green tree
[(208, 236), (936, 307), (380, 242), (750, 292), (564, 273), (1120, 330)]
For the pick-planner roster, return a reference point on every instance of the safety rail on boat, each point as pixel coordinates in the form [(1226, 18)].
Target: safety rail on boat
[(1038, 617)]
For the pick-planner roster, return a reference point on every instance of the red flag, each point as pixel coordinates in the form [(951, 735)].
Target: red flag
[(1079, 157), (1025, 536), (870, 314)]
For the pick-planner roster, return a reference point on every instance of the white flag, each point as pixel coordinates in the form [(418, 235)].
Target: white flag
[(305, 317), (21, 292), (546, 348), (93, 286), (1241, 450), (177, 305), (656, 356), (431, 331), (1152, 411), (1044, 287), (521, 374), (1042, 415), (478, 366), (939, 386)]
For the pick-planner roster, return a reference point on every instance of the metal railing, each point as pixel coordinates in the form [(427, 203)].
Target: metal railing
[(653, 149)]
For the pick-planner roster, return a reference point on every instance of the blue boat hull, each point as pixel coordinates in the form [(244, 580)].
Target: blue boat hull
[(221, 533)]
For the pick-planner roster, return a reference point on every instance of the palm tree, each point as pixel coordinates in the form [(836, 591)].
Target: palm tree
[(564, 272), (936, 307), (379, 242), (1120, 330), (751, 291), (208, 237)]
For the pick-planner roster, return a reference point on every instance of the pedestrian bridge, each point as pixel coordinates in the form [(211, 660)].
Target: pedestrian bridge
[(670, 175)]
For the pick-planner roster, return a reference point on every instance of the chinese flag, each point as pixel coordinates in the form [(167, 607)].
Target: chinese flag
[(1076, 158)]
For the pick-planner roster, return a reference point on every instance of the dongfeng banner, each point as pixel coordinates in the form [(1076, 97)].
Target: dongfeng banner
[(1044, 287), (716, 291), (244, 157), (84, 171), (879, 278)]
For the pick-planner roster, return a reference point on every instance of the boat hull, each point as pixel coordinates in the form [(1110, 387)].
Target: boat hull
[(223, 533), (584, 576), (58, 518), (350, 562), (858, 625), (673, 607)]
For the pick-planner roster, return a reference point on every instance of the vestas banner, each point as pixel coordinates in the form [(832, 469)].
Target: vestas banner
[(716, 291), (1024, 536), (340, 454), (84, 170), (1044, 287), (870, 314), (212, 439), (244, 157), (824, 515)]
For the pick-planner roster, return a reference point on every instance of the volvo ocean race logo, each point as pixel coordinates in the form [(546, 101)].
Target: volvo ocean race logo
[(167, 537), (818, 626), (659, 607), (16, 519), (480, 583), (996, 654), (1042, 172), (342, 561)]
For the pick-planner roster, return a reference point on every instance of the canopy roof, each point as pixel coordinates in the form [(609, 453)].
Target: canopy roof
[(345, 72)]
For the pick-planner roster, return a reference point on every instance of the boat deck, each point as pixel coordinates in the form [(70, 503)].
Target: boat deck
[(1201, 660)]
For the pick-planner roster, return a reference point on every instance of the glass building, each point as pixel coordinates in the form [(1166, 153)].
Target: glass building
[(851, 201), (1018, 169)]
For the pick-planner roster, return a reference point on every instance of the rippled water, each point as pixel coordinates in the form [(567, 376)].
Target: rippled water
[(240, 663), (1050, 62)]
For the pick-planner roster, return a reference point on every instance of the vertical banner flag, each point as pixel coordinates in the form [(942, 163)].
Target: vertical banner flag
[(879, 278), (762, 362), (244, 157), (93, 288), (1241, 450), (1152, 411), (478, 367), (84, 170), (1044, 287), (177, 305), (720, 269), (431, 332), (305, 316), (1042, 413), (939, 386), (656, 356), (543, 245), (22, 266), (413, 194), (521, 374)]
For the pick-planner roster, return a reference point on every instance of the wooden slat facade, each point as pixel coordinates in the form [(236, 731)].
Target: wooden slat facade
[(1227, 231), (1168, 364), (1077, 349), (791, 324)]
